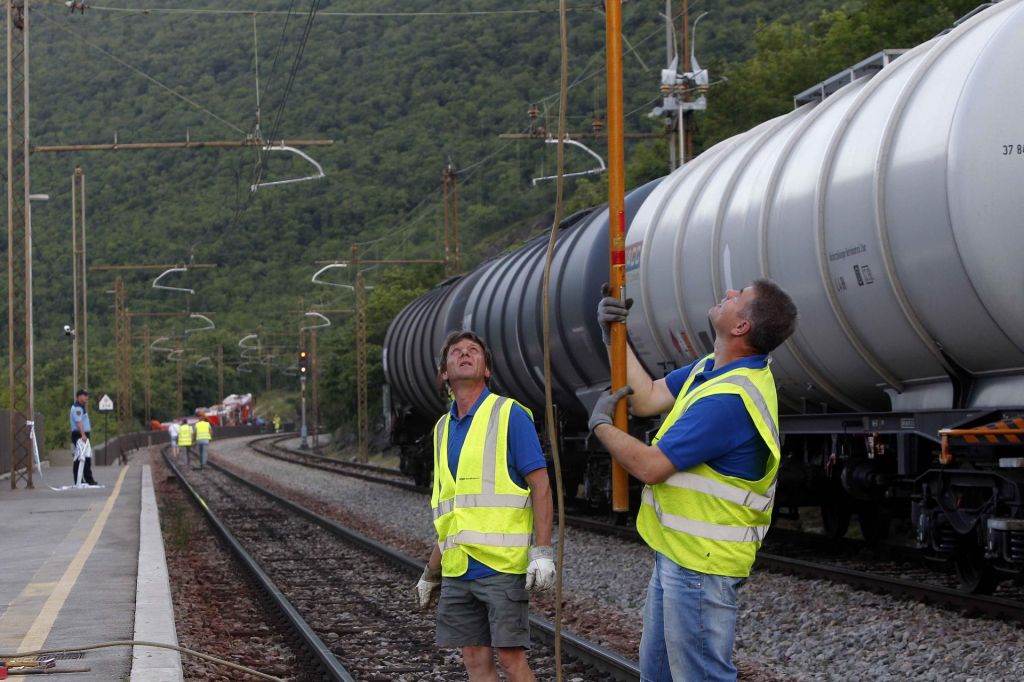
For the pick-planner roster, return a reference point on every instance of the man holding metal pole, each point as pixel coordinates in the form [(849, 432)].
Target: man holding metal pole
[(710, 473)]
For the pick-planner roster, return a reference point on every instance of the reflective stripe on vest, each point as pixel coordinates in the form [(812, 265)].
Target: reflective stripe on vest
[(184, 435), (700, 518), (488, 517)]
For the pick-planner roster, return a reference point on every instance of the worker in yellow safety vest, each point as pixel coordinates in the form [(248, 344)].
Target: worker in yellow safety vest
[(185, 440), (492, 511), (204, 434), (710, 473)]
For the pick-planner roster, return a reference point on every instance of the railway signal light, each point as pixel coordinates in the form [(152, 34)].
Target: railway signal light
[(303, 363)]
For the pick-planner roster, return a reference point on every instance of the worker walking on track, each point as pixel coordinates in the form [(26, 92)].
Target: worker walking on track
[(204, 434), (172, 431), (492, 511), (710, 473), (185, 440)]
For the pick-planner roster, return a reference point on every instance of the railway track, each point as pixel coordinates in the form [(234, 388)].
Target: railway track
[(889, 570), (370, 624)]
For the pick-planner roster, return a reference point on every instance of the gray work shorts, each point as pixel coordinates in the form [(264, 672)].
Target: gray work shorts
[(492, 611)]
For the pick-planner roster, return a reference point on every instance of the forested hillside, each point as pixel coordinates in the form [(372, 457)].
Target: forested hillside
[(402, 87)]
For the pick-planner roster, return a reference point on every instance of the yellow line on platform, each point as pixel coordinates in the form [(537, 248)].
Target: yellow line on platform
[(40, 630)]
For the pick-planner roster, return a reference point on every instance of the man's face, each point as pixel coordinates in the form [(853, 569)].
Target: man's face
[(732, 310), (83, 399), (465, 363)]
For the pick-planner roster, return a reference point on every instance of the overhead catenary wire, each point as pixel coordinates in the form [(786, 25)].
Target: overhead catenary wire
[(453, 13)]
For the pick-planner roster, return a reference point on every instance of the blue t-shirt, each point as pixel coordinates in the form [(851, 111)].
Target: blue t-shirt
[(524, 456), (716, 430), (78, 414)]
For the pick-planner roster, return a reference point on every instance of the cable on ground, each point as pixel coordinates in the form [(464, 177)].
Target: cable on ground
[(12, 658)]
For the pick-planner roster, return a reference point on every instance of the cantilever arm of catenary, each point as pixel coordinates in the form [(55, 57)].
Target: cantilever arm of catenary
[(204, 318), (283, 148), (326, 322), (204, 361), (593, 171), (157, 285), (176, 355), (241, 342), (325, 269)]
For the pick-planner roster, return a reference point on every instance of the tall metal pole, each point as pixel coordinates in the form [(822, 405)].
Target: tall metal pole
[(448, 270), (670, 54), (220, 373), (314, 370), (80, 273), (685, 118), (361, 360), (148, 390), (179, 380), (122, 355), (19, 246), (617, 229), (303, 444)]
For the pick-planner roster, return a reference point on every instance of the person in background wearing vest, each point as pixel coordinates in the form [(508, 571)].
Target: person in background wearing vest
[(710, 478), (492, 510), (81, 430), (185, 439), (204, 434), (277, 424)]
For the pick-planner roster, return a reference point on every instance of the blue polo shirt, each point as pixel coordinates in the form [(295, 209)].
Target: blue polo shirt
[(716, 430), (524, 456), (78, 413)]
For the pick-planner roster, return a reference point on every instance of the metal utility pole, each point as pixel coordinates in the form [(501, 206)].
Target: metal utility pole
[(148, 389), (122, 356), (19, 247), (450, 181), (179, 380), (361, 362), (80, 281), (314, 370), (220, 373), (617, 230)]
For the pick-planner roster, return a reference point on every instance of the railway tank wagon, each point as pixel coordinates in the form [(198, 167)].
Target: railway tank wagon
[(888, 203)]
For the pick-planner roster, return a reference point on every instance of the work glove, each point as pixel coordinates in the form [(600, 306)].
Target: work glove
[(428, 589), (604, 409), (611, 310), (540, 574)]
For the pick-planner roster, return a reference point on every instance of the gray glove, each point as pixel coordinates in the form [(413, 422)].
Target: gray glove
[(611, 310), (428, 589), (604, 409), (540, 574)]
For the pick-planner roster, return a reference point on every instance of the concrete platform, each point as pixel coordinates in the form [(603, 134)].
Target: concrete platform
[(87, 566)]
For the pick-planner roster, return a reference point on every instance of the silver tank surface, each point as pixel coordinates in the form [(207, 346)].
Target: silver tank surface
[(501, 301), (892, 211)]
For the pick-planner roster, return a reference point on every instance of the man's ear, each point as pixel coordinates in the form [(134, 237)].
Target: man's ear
[(741, 327)]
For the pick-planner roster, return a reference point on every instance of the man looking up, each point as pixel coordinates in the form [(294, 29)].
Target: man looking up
[(491, 500), (710, 473)]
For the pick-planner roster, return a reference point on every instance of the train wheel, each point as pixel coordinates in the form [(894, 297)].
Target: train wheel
[(835, 518), (976, 575)]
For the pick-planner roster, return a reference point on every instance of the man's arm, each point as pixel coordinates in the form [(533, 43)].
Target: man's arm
[(543, 513), (78, 424), (647, 463), (649, 397), (434, 562)]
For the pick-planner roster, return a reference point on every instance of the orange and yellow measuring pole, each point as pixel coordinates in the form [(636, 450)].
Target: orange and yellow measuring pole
[(617, 229)]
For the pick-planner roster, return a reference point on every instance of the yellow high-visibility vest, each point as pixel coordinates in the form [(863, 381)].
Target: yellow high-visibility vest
[(704, 520), (203, 431), (479, 511), (184, 435)]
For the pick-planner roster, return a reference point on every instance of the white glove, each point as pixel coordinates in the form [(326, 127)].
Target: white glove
[(540, 574), (428, 589)]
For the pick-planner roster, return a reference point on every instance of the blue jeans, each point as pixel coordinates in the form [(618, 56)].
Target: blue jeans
[(689, 625), (202, 451)]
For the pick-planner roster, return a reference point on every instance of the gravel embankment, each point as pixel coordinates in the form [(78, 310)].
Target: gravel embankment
[(789, 628)]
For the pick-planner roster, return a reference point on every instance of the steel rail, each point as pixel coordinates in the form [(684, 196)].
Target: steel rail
[(322, 654), (605, 660)]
